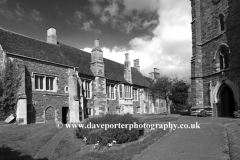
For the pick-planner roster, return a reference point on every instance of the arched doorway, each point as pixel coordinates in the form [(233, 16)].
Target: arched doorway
[(50, 114), (227, 102)]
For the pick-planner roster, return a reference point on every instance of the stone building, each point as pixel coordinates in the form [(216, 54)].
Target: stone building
[(65, 84), (215, 66)]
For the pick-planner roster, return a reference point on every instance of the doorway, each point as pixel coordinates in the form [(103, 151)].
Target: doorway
[(65, 115), (227, 102)]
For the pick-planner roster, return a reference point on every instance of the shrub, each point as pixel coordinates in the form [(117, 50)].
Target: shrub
[(121, 135), (203, 113), (236, 114), (10, 83)]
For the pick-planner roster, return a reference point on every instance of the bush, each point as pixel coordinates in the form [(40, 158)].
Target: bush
[(121, 135), (203, 113), (236, 114)]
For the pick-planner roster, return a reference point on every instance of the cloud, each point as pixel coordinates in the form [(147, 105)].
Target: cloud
[(59, 11), (5, 12), (20, 12), (3, 1), (141, 5), (168, 45), (36, 16), (79, 15), (123, 18), (88, 26)]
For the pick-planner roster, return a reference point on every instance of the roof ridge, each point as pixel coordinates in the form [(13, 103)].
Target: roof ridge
[(19, 34)]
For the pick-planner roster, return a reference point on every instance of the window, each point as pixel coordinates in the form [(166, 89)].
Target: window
[(224, 58), (39, 82), (66, 89), (49, 83), (135, 94), (86, 88), (110, 91), (45, 83), (221, 20), (146, 96), (89, 111), (138, 109), (121, 91), (128, 91)]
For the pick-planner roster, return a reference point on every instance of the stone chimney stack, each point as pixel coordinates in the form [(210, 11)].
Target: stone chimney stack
[(136, 64), (52, 35), (97, 64), (127, 69), (96, 43), (151, 75), (154, 75)]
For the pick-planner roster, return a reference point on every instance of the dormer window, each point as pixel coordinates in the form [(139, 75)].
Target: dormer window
[(221, 21)]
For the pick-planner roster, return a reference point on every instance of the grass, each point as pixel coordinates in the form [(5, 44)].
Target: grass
[(156, 118), (125, 151), (234, 139), (24, 141), (72, 148), (68, 146)]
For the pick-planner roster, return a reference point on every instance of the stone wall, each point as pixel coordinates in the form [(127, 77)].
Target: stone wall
[(38, 101), (207, 37)]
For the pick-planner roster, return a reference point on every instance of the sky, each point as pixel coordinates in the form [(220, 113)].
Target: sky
[(157, 32)]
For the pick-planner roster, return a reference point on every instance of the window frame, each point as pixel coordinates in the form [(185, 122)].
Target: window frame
[(128, 91), (135, 94), (87, 89), (110, 91), (121, 91), (43, 77)]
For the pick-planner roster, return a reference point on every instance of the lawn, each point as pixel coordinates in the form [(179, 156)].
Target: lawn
[(234, 139), (72, 148), (22, 142)]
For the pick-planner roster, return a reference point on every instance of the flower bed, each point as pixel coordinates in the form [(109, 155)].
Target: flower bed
[(99, 136)]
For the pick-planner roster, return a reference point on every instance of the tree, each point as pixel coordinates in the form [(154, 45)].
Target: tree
[(10, 84), (161, 88), (179, 93)]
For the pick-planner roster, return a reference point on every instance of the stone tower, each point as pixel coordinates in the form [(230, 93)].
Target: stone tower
[(196, 62), (215, 73)]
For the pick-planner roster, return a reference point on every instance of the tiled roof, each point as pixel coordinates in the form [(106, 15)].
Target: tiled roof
[(24, 46)]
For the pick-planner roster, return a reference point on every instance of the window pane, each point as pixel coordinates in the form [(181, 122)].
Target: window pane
[(49, 83), (41, 82), (36, 82)]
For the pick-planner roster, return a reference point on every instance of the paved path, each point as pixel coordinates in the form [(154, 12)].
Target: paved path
[(47, 150), (206, 143)]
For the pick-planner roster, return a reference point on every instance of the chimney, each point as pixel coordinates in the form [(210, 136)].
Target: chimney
[(156, 73), (52, 35), (96, 43), (127, 69), (136, 64), (151, 75), (127, 57), (97, 64), (156, 70)]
